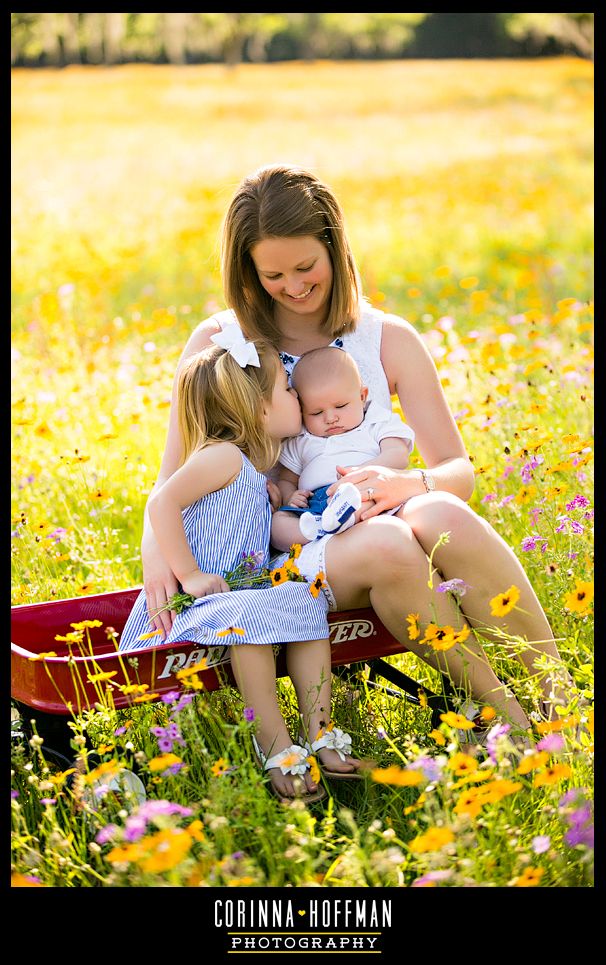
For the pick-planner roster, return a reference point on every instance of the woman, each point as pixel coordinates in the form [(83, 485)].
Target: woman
[(289, 276)]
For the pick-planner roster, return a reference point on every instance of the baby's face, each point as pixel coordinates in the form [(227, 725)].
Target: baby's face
[(334, 405)]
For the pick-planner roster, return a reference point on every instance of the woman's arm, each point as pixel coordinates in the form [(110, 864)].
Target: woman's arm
[(206, 471), (158, 579)]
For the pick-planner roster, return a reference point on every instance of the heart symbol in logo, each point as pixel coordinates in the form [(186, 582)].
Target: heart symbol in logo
[(302, 912)]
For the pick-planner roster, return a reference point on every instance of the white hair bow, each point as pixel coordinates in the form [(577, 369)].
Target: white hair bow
[(232, 339)]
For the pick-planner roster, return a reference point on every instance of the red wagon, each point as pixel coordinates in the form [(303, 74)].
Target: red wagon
[(45, 689)]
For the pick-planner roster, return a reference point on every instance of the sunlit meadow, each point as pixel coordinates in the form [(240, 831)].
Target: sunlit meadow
[(467, 188)]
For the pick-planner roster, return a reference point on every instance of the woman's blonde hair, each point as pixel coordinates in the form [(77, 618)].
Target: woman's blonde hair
[(219, 401), (282, 201)]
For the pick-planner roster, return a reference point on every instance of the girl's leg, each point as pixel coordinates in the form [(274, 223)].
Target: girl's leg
[(285, 531), (254, 668), (477, 554), (380, 563), (309, 668)]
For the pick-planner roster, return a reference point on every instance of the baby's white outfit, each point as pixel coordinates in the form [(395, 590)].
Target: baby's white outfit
[(314, 458)]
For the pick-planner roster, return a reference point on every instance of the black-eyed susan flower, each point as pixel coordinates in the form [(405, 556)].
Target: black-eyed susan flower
[(239, 631), (552, 775), (220, 767), (440, 638), (530, 878), (501, 604), (469, 803), (462, 764), (279, 576), (316, 586), (580, 599)]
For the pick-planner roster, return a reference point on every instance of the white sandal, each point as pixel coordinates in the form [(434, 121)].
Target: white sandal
[(292, 760), (334, 739)]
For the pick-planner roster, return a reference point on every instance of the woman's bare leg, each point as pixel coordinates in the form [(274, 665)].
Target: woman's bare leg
[(477, 554), (309, 668), (254, 668), (380, 563)]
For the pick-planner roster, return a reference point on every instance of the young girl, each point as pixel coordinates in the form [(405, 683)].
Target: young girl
[(234, 408)]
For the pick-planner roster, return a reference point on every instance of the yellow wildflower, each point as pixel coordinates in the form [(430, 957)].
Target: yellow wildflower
[(96, 678), (168, 848), (551, 775), (221, 766), (163, 762), (432, 840), (318, 583), (396, 775), (189, 671), (462, 764), (531, 762), (43, 656), (501, 604), (529, 878), (413, 630), (580, 599), (457, 720)]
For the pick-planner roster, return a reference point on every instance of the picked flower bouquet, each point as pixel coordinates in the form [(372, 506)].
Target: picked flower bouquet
[(250, 573)]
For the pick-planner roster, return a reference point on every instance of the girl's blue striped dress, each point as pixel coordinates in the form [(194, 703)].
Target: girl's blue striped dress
[(221, 528)]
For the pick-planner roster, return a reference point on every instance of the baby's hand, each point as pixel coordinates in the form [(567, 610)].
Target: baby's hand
[(300, 498), (203, 584)]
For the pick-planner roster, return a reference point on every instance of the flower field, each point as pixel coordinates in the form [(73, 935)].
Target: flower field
[(467, 188)]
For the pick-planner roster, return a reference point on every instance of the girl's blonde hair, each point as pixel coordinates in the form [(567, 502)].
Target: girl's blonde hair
[(282, 201), (219, 401)]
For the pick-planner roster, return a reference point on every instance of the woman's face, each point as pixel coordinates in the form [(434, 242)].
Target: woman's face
[(296, 272)]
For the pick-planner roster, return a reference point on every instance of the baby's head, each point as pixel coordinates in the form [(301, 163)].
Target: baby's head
[(330, 390)]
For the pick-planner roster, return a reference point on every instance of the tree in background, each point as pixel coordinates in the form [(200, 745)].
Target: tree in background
[(57, 39), (573, 30)]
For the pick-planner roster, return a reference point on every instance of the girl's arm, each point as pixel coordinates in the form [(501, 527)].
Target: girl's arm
[(158, 578), (204, 472)]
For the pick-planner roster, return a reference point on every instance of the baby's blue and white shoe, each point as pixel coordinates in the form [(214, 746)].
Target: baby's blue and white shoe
[(340, 512), (311, 526)]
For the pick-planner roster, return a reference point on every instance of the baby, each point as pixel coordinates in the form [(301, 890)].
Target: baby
[(339, 429)]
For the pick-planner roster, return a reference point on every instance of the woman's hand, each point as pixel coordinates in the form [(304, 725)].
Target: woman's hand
[(390, 487)]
